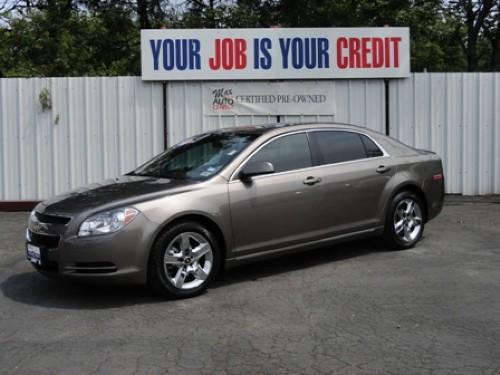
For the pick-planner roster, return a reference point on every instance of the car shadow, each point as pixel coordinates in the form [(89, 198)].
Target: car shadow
[(34, 289), (297, 261)]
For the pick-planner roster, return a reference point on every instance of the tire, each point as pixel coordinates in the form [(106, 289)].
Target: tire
[(404, 225), (184, 259)]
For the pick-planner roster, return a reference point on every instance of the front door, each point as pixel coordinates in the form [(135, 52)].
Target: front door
[(280, 209)]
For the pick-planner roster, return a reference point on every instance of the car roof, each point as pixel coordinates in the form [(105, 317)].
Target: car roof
[(287, 126)]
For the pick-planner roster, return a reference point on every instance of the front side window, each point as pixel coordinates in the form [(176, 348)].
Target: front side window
[(286, 153), (197, 158), (338, 146)]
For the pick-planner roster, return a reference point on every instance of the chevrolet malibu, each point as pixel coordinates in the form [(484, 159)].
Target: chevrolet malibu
[(235, 195)]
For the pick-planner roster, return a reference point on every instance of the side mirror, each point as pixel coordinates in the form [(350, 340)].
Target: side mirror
[(255, 169)]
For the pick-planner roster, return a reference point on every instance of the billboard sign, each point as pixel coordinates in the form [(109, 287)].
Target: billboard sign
[(278, 53)]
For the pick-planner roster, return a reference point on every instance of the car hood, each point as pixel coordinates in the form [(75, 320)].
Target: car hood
[(111, 193)]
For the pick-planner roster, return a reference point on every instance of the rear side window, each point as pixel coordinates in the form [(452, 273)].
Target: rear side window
[(338, 146), (286, 153), (372, 150)]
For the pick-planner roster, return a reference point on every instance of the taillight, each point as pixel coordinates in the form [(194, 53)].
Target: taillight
[(437, 177)]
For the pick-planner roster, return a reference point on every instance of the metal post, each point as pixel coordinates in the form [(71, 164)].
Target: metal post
[(165, 122), (386, 92)]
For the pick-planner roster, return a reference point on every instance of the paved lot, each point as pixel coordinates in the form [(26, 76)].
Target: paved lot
[(353, 309)]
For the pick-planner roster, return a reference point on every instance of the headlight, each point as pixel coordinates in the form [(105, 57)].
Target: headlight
[(107, 222), (32, 216)]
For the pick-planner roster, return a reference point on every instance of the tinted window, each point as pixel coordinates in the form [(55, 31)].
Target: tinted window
[(197, 158), (337, 146), (372, 149), (286, 153)]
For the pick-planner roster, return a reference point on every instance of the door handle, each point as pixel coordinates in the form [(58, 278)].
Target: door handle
[(383, 169), (311, 180)]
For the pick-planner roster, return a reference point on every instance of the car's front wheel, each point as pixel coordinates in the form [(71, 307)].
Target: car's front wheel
[(184, 259), (404, 224)]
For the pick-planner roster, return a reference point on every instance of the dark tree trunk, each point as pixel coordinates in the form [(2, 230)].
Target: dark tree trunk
[(495, 53), (474, 21), (142, 12), (492, 33)]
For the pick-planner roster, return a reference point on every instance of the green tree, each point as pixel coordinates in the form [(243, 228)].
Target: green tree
[(101, 37), (470, 16), (433, 47), (59, 40)]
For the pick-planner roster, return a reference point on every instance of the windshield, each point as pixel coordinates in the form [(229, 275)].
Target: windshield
[(196, 158)]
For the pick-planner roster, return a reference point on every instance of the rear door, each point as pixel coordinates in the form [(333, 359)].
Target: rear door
[(280, 209), (354, 172)]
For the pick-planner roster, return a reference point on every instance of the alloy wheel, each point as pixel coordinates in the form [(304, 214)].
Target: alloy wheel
[(188, 260), (408, 220)]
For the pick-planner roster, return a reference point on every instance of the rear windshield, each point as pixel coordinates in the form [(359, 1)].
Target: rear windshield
[(197, 158)]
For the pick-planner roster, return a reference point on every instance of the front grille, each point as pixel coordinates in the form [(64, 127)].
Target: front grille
[(43, 240), (52, 219)]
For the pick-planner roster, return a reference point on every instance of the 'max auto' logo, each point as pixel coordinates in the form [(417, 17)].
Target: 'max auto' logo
[(223, 99)]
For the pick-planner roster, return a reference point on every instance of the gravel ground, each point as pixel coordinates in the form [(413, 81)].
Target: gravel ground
[(350, 309)]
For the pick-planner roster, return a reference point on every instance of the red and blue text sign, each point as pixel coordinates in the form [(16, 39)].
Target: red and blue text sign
[(312, 53)]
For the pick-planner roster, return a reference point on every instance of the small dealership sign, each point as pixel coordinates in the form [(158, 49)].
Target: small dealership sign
[(269, 98), (278, 53)]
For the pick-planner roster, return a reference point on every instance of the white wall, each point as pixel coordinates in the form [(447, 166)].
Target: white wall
[(359, 102), (97, 128), (456, 115), (101, 127)]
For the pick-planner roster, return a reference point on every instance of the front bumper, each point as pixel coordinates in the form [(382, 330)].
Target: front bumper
[(120, 257)]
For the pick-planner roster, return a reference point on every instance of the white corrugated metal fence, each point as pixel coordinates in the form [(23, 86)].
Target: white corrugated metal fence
[(60, 133), (456, 115), (89, 129), (359, 102)]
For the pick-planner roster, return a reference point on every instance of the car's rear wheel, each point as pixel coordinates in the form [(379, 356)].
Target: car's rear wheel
[(183, 261), (404, 224)]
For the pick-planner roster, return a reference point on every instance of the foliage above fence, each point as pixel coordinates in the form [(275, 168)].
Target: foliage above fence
[(92, 37)]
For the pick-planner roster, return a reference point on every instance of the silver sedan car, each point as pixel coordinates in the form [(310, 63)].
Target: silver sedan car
[(236, 195)]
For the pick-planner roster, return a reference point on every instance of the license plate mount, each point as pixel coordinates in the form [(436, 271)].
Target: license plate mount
[(34, 254)]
